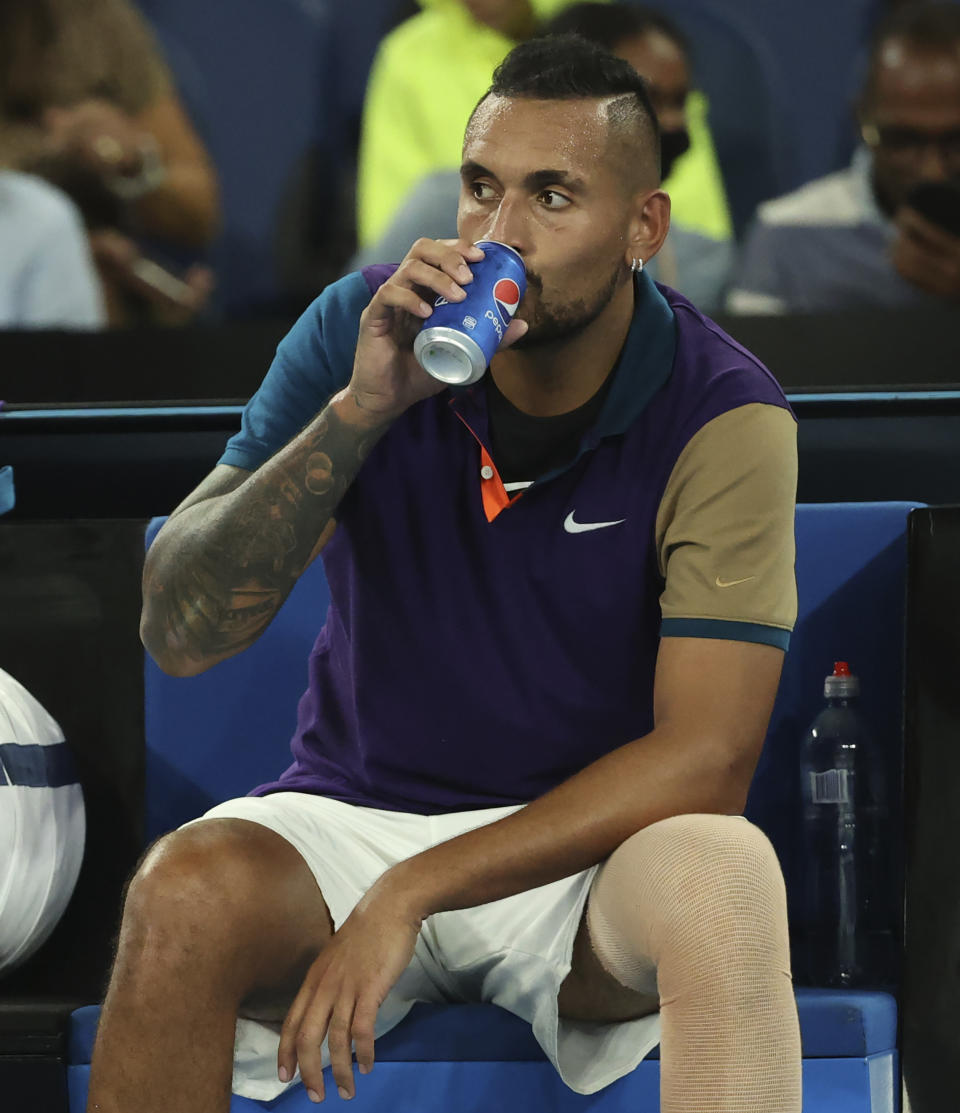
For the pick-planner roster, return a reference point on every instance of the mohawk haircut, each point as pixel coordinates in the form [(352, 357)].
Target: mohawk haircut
[(568, 67)]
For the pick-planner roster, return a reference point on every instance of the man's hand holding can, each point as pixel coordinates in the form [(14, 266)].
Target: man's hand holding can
[(387, 376), (461, 337)]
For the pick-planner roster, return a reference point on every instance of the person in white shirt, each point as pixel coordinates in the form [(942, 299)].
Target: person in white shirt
[(884, 233), (47, 275)]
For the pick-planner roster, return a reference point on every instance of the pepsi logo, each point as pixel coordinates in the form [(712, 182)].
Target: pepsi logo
[(506, 293)]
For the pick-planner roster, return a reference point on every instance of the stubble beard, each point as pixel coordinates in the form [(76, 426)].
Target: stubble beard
[(554, 325)]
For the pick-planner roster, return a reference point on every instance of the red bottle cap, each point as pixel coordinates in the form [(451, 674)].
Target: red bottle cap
[(841, 684)]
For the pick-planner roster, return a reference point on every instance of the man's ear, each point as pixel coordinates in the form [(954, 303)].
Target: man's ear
[(648, 225)]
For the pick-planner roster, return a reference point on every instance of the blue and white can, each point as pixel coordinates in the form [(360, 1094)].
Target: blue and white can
[(457, 342)]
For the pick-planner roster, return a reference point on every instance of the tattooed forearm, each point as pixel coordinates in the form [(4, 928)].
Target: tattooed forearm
[(221, 569)]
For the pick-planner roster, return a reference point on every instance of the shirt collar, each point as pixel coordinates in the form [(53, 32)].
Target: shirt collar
[(645, 362)]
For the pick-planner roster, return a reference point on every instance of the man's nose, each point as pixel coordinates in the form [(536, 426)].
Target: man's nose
[(508, 225)]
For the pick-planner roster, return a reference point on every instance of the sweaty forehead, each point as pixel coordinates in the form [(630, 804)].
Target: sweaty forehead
[(521, 132)]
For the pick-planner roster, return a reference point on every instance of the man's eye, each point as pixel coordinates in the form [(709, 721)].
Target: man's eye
[(553, 200), (483, 191)]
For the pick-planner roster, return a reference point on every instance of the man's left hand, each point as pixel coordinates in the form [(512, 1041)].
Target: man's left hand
[(926, 255), (343, 990)]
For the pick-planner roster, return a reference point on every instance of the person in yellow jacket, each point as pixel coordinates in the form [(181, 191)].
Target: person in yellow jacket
[(425, 81)]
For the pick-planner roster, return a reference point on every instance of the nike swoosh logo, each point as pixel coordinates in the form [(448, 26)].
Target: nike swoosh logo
[(733, 583), (583, 527)]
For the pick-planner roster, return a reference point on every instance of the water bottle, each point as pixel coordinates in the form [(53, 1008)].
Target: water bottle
[(848, 902)]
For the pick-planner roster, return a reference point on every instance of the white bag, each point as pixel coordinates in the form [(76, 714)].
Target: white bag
[(42, 824)]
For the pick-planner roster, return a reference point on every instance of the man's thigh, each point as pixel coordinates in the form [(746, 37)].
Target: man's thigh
[(590, 993)]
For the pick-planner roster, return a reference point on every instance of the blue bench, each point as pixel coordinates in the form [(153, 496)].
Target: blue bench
[(215, 736)]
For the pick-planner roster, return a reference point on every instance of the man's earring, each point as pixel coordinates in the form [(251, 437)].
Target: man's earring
[(636, 266)]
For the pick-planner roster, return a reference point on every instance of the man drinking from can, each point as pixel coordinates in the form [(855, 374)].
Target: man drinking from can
[(560, 600)]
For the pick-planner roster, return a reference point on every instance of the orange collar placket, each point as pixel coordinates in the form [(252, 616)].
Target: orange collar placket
[(492, 491)]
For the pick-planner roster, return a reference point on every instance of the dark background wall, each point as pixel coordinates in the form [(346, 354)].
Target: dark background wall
[(69, 600), (138, 463), (931, 988), (124, 424)]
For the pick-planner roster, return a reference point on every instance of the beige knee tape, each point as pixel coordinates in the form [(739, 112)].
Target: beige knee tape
[(711, 872), (694, 907)]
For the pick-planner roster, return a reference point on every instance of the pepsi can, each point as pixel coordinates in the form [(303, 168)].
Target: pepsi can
[(456, 343)]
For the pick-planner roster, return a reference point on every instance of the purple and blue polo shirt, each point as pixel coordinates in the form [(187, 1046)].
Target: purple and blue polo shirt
[(482, 646)]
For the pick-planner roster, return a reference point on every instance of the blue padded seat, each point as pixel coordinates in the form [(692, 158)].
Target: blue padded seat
[(833, 1022), (215, 736), (437, 1050)]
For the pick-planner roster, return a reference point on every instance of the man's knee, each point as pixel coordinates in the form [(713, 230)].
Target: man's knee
[(200, 890), (705, 886)]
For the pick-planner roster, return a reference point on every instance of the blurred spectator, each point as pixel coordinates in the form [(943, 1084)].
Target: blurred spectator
[(886, 231), (695, 264), (658, 50), (47, 277), (86, 100)]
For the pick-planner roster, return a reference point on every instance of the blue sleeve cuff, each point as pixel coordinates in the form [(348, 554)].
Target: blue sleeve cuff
[(313, 361), (722, 628), (238, 458)]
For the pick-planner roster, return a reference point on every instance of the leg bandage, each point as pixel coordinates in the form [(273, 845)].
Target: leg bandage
[(694, 907)]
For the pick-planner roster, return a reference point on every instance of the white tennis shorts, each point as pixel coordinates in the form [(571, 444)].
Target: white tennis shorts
[(513, 952)]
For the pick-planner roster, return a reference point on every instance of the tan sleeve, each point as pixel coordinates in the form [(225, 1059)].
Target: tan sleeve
[(725, 530)]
